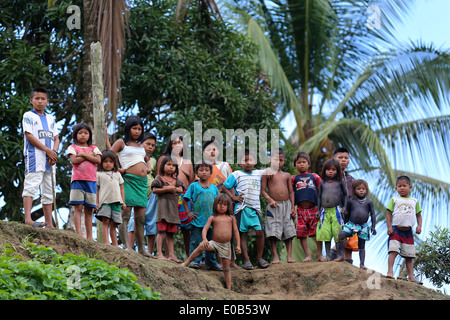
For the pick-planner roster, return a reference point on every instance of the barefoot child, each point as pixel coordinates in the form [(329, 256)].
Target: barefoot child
[(332, 199), (402, 213), (167, 188), (280, 213), (358, 210), (224, 227), (41, 144), (110, 196), (305, 186), (84, 157)]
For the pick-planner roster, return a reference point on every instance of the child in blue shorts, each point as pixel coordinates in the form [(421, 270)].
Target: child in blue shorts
[(247, 186)]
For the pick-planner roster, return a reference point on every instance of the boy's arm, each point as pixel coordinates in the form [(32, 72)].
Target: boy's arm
[(264, 193), (344, 194), (186, 208), (419, 222), (236, 236), (52, 155), (291, 195), (389, 222), (206, 228)]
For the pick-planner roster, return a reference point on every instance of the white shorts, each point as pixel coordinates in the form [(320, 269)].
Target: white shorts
[(35, 181)]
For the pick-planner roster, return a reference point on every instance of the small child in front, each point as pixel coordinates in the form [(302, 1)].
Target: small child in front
[(247, 187), (402, 213), (224, 227), (306, 185), (167, 187), (332, 200), (110, 196), (280, 212), (359, 209), (201, 194)]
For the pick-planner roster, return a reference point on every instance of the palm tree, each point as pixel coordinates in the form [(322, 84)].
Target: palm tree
[(349, 84)]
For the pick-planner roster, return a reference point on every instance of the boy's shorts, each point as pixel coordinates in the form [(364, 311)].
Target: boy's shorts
[(279, 223), (111, 211), (329, 225), (248, 218), (402, 242), (306, 222), (83, 192), (223, 250), (39, 180), (164, 227)]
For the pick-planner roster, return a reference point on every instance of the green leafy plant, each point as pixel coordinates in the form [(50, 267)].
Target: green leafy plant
[(50, 276), (433, 257)]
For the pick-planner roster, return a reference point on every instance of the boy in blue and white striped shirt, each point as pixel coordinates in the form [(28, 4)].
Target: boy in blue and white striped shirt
[(41, 143), (247, 186)]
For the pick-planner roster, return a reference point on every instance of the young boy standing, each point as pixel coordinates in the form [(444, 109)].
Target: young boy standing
[(402, 213), (201, 194), (306, 186), (280, 212), (40, 150), (247, 186)]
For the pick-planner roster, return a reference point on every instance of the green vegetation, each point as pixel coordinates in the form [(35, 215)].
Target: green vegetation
[(50, 276)]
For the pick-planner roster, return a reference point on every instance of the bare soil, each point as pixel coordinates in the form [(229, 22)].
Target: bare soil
[(285, 281)]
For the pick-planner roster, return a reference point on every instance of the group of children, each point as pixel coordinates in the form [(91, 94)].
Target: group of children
[(211, 205)]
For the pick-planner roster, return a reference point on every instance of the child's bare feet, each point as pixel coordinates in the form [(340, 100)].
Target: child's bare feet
[(307, 259)]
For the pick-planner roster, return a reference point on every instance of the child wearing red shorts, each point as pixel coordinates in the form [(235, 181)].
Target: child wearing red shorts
[(305, 187)]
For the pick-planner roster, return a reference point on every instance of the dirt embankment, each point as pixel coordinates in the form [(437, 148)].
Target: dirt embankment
[(312, 280)]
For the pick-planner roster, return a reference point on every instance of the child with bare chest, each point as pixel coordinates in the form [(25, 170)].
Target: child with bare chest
[(280, 212), (224, 226)]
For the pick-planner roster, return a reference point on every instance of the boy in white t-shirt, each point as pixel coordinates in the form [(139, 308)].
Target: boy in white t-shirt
[(41, 143), (402, 213)]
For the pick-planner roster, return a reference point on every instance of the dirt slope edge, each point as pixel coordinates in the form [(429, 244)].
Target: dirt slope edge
[(314, 280)]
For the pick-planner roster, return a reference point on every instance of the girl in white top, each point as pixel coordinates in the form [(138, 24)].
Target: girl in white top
[(132, 159), (110, 196)]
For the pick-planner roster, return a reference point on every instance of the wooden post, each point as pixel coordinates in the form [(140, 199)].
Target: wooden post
[(98, 107)]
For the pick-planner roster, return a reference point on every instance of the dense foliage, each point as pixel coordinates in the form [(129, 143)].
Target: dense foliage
[(50, 276), (433, 257)]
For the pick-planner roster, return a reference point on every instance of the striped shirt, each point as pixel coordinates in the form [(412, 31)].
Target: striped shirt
[(43, 128), (249, 186)]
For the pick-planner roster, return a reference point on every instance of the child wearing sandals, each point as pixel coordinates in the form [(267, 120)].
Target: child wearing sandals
[(247, 190)]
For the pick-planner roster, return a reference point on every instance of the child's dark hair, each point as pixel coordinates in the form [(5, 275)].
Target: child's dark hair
[(203, 164), (327, 165), (131, 122), (108, 154), (403, 178), (148, 136), (77, 128), (208, 142), (164, 160), (173, 137), (221, 198), (303, 155), (357, 183), (341, 150), (247, 152), (279, 152), (40, 90)]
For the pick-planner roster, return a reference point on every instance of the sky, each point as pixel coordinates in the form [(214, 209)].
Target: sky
[(428, 21)]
